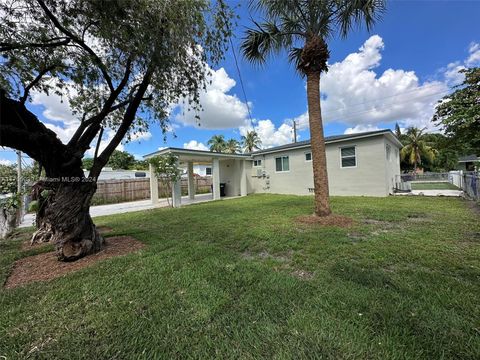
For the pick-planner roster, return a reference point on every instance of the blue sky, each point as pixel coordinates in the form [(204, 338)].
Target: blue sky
[(395, 73)]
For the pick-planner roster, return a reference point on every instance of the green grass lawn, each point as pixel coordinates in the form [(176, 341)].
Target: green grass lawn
[(241, 279), (433, 186)]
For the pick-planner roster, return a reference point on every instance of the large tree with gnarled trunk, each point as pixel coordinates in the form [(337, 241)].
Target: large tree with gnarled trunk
[(121, 64), (303, 27)]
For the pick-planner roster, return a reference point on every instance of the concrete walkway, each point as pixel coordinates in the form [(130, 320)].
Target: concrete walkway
[(454, 193), (111, 209)]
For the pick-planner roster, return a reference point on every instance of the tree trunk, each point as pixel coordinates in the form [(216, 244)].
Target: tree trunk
[(63, 218), (319, 159)]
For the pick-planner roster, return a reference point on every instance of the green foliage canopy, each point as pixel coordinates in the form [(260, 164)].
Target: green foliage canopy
[(459, 114), (121, 64), (166, 168), (121, 160)]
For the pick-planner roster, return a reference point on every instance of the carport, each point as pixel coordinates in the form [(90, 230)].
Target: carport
[(226, 168)]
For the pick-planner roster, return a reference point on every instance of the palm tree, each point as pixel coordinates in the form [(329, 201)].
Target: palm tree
[(302, 27), (232, 146), (251, 141), (416, 147), (217, 143)]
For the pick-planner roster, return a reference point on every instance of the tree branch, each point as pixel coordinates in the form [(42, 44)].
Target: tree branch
[(35, 81), (80, 42), (128, 119), (81, 139), (11, 46), (22, 130)]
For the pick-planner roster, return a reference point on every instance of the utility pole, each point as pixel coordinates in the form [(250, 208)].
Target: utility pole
[(294, 131), (19, 171)]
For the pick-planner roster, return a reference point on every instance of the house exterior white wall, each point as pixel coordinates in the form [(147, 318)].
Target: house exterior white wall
[(372, 176), (392, 165), (230, 175)]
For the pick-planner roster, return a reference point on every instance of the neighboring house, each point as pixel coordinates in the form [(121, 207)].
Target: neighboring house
[(468, 163), (363, 164), (202, 170), (109, 174)]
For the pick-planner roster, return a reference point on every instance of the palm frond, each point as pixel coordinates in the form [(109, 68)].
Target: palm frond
[(295, 56), (354, 13), (261, 42)]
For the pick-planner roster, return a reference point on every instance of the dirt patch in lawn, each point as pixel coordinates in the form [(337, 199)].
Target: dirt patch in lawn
[(330, 220), (474, 206), (102, 229), (264, 255), (303, 274), (27, 245), (45, 266)]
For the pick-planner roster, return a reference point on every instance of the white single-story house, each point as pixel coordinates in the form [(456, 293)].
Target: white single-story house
[(109, 174), (362, 164)]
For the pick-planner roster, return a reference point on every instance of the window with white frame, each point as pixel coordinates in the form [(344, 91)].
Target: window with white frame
[(208, 171), (388, 151), (308, 156), (282, 163), (257, 162), (348, 157)]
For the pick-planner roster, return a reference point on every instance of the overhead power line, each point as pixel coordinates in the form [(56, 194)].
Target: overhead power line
[(241, 83)]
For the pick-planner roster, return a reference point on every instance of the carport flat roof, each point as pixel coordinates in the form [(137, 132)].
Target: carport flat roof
[(196, 155)]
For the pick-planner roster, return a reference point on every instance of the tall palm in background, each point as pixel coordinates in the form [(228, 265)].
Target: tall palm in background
[(415, 147), (232, 146), (302, 27), (251, 141), (217, 143)]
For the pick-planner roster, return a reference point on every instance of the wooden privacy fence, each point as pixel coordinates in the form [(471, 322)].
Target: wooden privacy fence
[(122, 190)]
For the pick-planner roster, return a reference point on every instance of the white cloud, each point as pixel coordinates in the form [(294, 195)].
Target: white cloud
[(5, 162), (269, 134), (140, 135), (301, 120), (106, 138), (220, 109), (64, 133), (57, 108), (474, 55), (360, 128), (356, 95), (195, 145), (452, 74)]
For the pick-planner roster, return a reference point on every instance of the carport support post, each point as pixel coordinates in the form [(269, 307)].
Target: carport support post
[(216, 179), (177, 192), (243, 179), (191, 184), (153, 185)]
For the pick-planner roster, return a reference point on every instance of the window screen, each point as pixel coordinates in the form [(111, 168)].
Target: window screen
[(349, 158), (282, 164)]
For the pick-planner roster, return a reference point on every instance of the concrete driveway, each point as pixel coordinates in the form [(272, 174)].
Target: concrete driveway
[(453, 193), (112, 209)]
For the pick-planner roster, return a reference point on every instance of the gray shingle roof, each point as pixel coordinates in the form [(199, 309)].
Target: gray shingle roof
[(468, 158), (328, 139)]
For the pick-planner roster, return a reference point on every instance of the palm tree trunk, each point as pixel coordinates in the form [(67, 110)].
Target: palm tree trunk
[(319, 159)]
